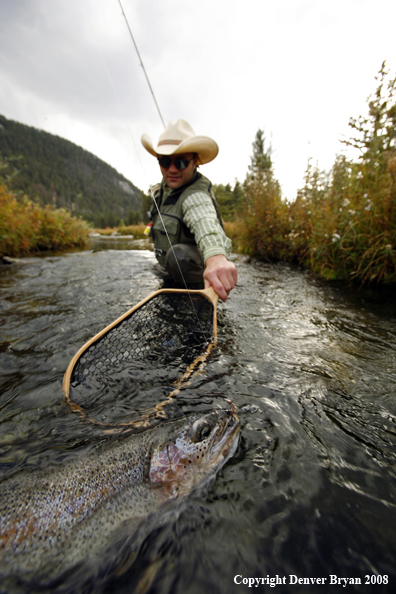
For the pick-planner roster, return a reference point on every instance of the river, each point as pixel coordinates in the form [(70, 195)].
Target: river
[(310, 366)]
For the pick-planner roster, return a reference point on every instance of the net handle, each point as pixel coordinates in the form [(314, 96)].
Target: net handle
[(210, 295)]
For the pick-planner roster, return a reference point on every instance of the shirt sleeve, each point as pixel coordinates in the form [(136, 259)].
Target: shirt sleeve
[(200, 216)]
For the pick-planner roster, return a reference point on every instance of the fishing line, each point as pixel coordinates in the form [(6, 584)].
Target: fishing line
[(138, 155), (99, 351), (141, 63), (163, 123)]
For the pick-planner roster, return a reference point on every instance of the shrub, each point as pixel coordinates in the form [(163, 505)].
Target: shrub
[(26, 227), (342, 224)]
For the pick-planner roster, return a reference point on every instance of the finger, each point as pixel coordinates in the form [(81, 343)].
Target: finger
[(228, 278), (213, 280), (235, 275), (232, 275), (220, 288)]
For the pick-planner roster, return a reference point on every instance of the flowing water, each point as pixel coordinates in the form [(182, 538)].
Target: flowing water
[(310, 367)]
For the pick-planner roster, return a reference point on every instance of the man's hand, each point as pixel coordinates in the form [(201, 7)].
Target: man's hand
[(221, 274)]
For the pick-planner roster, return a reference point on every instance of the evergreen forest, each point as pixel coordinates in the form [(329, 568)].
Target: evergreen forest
[(53, 171)]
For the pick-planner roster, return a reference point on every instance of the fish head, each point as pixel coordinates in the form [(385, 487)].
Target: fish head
[(196, 448)]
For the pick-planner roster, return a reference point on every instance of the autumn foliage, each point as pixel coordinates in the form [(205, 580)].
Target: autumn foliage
[(343, 223), (26, 227)]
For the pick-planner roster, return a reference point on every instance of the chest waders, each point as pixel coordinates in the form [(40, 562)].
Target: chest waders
[(169, 229)]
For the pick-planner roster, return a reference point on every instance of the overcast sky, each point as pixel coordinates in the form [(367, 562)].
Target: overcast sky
[(299, 69)]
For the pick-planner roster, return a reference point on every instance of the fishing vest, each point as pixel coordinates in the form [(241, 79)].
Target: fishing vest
[(172, 215)]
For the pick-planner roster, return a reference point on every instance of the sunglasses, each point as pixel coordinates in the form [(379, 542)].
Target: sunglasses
[(179, 162)]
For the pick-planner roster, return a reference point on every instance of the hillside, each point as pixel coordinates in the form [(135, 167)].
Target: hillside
[(54, 171)]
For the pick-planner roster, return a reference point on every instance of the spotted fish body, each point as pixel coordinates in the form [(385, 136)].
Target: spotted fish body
[(56, 519)]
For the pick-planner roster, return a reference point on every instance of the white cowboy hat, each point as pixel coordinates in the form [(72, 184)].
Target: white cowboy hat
[(179, 137)]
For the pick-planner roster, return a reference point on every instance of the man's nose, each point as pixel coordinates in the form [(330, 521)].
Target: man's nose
[(172, 167)]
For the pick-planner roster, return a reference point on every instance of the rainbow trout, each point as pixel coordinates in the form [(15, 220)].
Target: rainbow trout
[(53, 520)]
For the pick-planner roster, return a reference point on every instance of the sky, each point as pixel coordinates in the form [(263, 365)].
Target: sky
[(297, 69)]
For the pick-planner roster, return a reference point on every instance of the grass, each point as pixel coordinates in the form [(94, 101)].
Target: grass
[(136, 230)]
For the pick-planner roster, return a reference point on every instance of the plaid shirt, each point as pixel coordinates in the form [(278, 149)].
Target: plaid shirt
[(200, 217)]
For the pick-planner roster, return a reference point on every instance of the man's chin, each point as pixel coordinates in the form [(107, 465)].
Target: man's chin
[(174, 183)]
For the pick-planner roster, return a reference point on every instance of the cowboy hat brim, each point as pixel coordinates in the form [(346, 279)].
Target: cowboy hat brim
[(206, 148)]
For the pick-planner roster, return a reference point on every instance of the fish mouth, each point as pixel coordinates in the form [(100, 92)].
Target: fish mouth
[(181, 463), (227, 437)]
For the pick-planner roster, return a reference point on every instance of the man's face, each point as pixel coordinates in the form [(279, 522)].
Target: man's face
[(174, 177)]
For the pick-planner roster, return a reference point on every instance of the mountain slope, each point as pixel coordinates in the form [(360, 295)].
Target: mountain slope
[(58, 172)]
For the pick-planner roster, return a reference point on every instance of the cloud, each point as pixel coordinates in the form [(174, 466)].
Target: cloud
[(296, 68)]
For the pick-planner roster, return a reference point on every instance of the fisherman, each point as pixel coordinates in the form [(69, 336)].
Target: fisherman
[(188, 210)]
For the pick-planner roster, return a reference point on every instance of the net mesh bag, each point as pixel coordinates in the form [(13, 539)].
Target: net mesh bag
[(133, 367)]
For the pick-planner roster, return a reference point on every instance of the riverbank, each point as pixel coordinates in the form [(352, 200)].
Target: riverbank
[(334, 236), (26, 227), (136, 231), (342, 223)]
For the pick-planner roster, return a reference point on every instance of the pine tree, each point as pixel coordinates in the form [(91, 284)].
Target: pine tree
[(261, 162), (376, 133)]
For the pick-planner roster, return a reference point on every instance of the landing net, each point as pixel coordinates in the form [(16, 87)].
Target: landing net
[(148, 354)]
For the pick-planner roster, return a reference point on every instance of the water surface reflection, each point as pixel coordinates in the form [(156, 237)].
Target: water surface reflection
[(311, 369)]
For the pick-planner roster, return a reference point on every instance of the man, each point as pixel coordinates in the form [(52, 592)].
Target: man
[(189, 239)]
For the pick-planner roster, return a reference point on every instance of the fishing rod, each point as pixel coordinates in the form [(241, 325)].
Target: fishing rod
[(141, 63)]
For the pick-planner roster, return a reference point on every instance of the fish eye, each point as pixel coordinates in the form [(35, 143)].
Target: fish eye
[(201, 429)]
